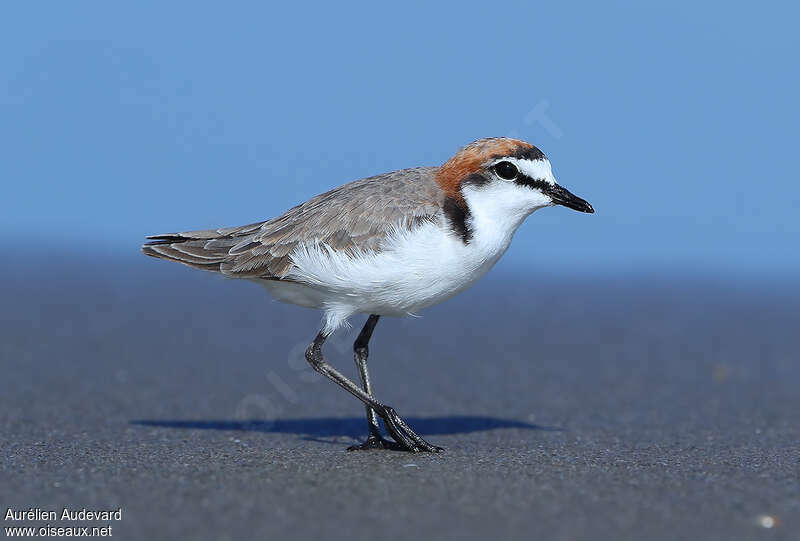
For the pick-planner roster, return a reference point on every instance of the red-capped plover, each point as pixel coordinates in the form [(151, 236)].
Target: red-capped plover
[(385, 245)]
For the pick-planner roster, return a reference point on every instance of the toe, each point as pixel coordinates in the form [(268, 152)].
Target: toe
[(372, 442)]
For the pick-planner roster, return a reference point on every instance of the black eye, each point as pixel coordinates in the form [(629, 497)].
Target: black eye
[(506, 170)]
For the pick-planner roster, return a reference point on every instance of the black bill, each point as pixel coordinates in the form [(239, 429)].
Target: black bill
[(562, 196)]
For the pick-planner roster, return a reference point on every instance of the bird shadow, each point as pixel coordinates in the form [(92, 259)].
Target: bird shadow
[(317, 428)]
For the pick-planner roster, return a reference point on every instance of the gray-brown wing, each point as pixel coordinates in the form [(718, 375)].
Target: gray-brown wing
[(358, 215)]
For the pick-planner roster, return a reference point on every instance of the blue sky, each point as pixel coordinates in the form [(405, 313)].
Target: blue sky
[(678, 123)]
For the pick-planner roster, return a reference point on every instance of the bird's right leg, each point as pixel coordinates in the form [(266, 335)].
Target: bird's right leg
[(407, 439)]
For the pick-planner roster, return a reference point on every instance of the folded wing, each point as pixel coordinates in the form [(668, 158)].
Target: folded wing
[(356, 216)]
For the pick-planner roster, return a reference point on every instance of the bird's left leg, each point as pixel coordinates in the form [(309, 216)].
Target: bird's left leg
[(360, 354)]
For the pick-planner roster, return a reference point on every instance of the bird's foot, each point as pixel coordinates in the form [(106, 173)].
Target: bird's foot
[(405, 438), (374, 442)]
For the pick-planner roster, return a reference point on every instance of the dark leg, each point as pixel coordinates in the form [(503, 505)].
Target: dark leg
[(406, 439), (360, 354)]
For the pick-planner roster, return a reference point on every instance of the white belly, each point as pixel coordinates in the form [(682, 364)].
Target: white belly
[(415, 269)]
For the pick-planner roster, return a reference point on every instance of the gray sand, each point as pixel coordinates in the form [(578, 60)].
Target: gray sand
[(570, 408)]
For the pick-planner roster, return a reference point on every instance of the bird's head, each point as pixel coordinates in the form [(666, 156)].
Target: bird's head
[(504, 175)]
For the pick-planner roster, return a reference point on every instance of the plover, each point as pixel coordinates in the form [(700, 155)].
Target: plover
[(388, 245)]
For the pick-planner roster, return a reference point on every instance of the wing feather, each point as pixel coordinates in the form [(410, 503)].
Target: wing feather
[(356, 216)]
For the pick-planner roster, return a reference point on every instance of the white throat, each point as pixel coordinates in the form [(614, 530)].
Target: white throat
[(498, 209)]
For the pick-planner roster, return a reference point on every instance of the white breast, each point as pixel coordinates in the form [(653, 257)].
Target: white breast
[(415, 268)]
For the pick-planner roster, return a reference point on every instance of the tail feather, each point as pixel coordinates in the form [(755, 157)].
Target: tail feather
[(195, 249), (232, 251)]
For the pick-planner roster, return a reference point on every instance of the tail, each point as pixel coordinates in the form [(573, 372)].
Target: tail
[(206, 250)]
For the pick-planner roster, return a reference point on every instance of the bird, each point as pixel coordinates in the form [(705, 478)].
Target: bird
[(386, 245)]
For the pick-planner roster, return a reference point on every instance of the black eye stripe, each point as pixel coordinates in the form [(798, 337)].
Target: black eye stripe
[(538, 183)]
